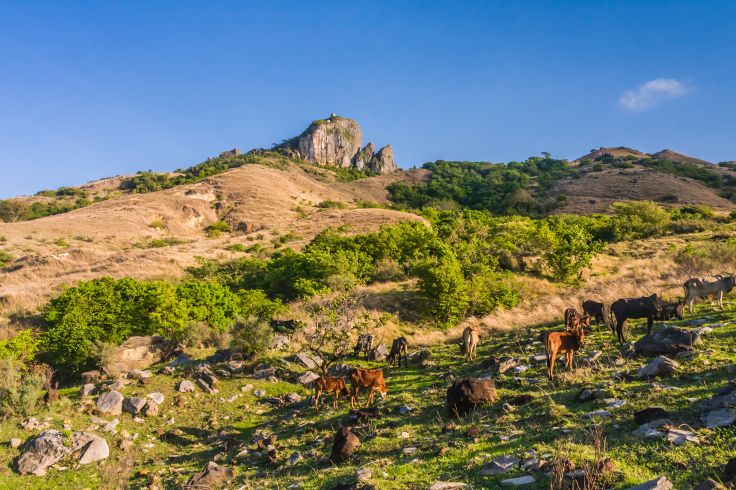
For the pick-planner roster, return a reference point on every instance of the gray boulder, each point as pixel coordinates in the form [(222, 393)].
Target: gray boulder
[(213, 477), (41, 452), (185, 386), (92, 447), (661, 483), (499, 465), (667, 340), (134, 405), (157, 397), (447, 485), (380, 353), (87, 389), (518, 481), (307, 361), (110, 403), (660, 366), (307, 378)]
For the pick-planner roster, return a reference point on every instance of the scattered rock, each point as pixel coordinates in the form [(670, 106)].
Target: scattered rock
[(235, 366), (405, 410), (709, 484), (661, 483), (307, 378), (88, 389), (110, 403), (206, 387), (110, 427), (185, 386), (295, 458), (718, 411), (613, 403), (15, 442), (259, 393), (660, 366), (667, 340), (115, 385), (344, 445), (213, 477), (518, 481), (264, 371), (93, 448), (142, 376), (650, 414), (446, 485), (180, 360), (679, 437), (499, 465), (137, 353), (156, 397), (290, 398), (380, 353), (280, 342), (721, 417), (587, 394), (363, 474), (410, 450), (33, 424), (339, 369), (151, 409), (467, 394), (597, 413), (134, 405), (41, 452)]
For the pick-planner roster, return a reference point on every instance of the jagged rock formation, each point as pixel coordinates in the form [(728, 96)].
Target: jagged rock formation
[(337, 141)]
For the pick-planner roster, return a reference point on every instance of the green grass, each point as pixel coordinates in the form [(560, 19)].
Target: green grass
[(552, 423)]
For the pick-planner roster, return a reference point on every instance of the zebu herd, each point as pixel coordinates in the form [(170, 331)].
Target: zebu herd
[(616, 315), (566, 342)]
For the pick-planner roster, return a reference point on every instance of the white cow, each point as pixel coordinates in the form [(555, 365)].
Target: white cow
[(700, 288)]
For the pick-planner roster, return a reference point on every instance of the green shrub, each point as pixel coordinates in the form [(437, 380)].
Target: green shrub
[(443, 289), (217, 228), (60, 242), (20, 389), (569, 247), (236, 247), (638, 219), (252, 336), (5, 258), (329, 204), (161, 242), (22, 347)]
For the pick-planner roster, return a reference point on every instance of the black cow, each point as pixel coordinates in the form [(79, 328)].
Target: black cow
[(399, 347), (600, 312), (671, 310), (364, 344), (649, 307)]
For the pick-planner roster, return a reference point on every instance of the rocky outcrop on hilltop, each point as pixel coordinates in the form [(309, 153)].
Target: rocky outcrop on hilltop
[(337, 141)]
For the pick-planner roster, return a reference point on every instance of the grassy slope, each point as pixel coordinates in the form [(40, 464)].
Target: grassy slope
[(552, 423)]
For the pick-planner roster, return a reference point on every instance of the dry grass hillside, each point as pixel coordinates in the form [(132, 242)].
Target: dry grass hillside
[(160, 234), (594, 192)]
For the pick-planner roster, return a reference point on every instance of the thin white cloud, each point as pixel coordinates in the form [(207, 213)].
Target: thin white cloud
[(653, 93)]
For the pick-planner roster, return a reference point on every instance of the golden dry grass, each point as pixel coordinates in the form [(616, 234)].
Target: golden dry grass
[(111, 238)]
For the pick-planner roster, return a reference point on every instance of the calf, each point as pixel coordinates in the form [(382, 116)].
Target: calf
[(574, 320), (399, 347), (598, 311), (344, 445), (471, 339), (326, 384), (364, 344), (367, 378), (52, 389), (567, 342), (649, 307)]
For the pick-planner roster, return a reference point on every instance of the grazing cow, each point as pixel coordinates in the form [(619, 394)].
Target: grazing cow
[(367, 378), (568, 343), (670, 310), (52, 390), (399, 347), (649, 307), (364, 344), (574, 320), (699, 288), (471, 339), (326, 384), (598, 311)]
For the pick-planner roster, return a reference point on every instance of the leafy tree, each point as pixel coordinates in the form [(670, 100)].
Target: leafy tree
[(569, 247)]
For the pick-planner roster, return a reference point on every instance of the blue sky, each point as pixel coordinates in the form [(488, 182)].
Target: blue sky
[(93, 89)]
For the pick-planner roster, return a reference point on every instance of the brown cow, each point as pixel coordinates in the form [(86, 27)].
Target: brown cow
[(52, 389), (567, 342), (367, 378), (574, 320), (399, 347), (326, 384), (471, 338)]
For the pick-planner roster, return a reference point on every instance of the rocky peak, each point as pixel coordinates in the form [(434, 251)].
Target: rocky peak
[(383, 161), (337, 141)]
